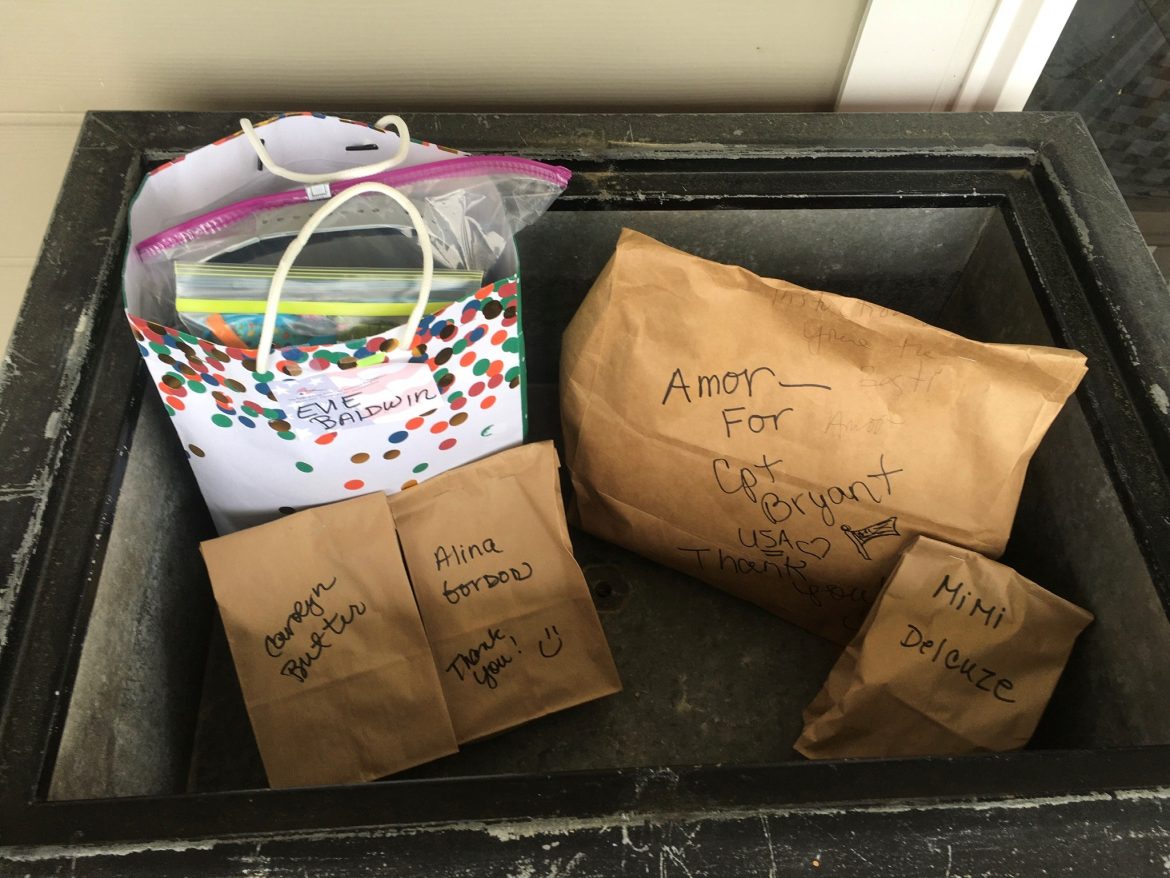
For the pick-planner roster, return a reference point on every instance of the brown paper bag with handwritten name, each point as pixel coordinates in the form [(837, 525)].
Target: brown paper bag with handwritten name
[(507, 611), (784, 444), (959, 654), (329, 647)]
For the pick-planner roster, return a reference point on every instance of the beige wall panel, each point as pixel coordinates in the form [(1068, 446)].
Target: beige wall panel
[(38, 148), (35, 150), (74, 55), (13, 280), (59, 58)]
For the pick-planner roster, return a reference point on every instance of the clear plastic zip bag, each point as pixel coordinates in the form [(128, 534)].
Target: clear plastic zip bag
[(472, 207)]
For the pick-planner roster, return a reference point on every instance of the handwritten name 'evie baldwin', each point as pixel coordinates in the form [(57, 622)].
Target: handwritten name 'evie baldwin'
[(334, 412)]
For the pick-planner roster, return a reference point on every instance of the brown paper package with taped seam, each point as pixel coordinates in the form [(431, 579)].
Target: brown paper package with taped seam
[(785, 444), (328, 645), (512, 626), (959, 654)]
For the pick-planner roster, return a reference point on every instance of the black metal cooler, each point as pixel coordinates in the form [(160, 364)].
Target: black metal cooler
[(124, 744)]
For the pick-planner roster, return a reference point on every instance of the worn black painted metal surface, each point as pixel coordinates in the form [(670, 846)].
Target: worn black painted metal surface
[(71, 391)]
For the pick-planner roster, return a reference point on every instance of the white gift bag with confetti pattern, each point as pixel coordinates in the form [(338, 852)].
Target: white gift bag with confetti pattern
[(271, 431)]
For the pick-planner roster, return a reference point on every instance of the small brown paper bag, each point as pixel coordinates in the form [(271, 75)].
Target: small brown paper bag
[(507, 610), (329, 646), (785, 444), (959, 654)]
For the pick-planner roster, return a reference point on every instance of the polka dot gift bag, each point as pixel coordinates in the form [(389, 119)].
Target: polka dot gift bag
[(423, 374)]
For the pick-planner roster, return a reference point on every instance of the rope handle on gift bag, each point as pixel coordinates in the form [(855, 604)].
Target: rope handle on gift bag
[(404, 333), (344, 174)]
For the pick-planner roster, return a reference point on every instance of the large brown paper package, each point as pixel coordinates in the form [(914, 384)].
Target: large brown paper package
[(960, 654), (329, 647), (784, 444), (507, 610)]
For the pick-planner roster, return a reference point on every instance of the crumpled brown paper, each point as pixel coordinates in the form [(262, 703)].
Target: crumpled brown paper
[(508, 613), (785, 444), (959, 654), (329, 647)]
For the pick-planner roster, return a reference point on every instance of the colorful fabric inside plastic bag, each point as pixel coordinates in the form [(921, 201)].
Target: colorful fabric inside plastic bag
[(225, 302)]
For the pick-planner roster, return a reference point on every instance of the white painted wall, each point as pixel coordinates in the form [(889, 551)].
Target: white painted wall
[(939, 55)]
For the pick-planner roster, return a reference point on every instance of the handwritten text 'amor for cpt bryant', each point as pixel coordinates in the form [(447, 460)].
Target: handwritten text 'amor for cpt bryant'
[(743, 383)]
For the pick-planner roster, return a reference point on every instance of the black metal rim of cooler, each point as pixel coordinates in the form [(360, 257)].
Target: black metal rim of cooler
[(70, 351)]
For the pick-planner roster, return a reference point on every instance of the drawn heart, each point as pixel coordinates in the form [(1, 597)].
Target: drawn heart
[(818, 548)]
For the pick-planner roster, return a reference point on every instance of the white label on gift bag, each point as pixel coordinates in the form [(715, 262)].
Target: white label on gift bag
[(390, 392), (318, 192)]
